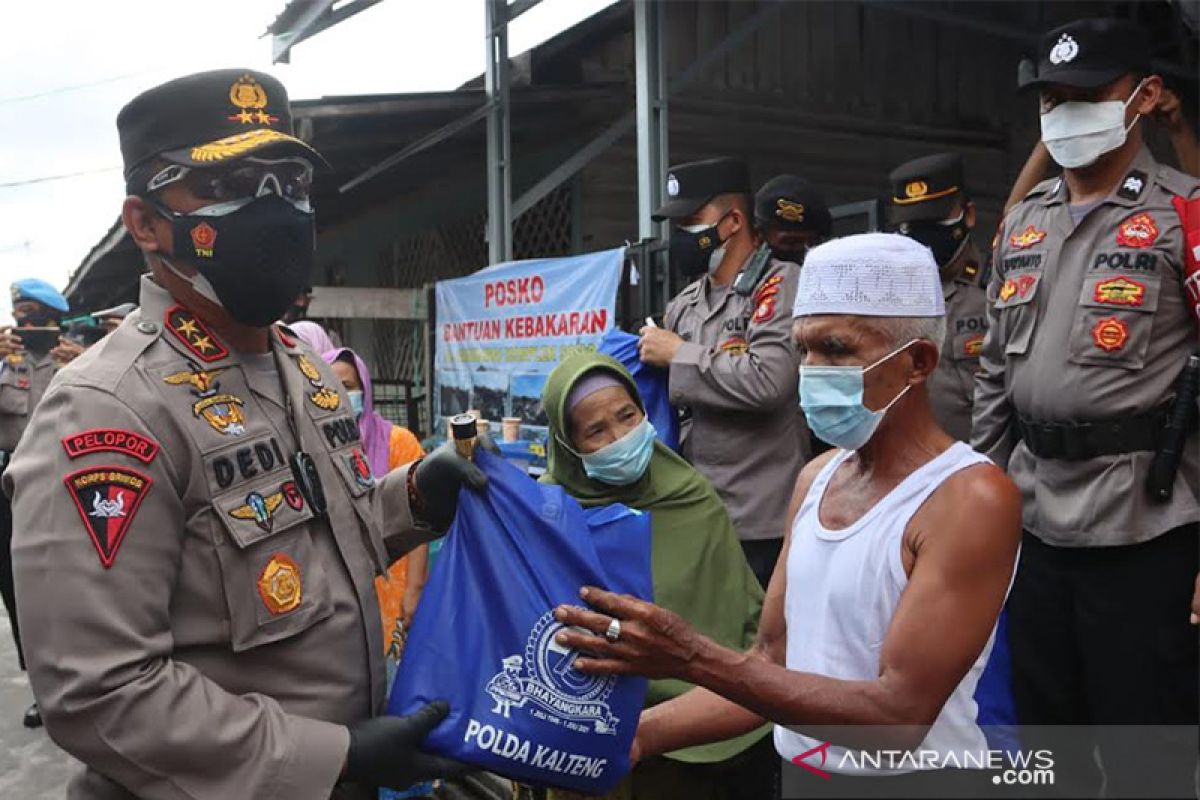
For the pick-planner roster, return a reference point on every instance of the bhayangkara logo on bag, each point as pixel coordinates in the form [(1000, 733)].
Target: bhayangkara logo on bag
[(545, 684)]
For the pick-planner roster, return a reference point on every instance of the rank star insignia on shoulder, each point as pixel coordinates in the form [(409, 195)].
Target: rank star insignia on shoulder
[(189, 331)]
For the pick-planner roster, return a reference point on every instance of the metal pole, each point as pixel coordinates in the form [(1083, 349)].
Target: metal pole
[(651, 112), (499, 156)]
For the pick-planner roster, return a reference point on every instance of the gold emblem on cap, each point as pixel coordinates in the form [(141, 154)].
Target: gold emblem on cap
[(788, 210), (279, 584), (236, 145), (918, 192), (250, 97)]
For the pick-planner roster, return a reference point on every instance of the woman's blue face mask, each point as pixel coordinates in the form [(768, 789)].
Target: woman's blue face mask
[(624, 461), (832, 399)]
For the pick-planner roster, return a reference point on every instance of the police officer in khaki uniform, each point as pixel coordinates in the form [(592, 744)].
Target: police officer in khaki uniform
[(791, 217), (930, 204), (1091, 324), (727, 341), (25, 373), (197, 529)]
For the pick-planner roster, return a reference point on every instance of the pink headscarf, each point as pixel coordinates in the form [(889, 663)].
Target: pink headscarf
[(376, 431), (312, 335)]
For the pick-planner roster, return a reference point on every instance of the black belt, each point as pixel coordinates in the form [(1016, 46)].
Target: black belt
[(1080, 441)]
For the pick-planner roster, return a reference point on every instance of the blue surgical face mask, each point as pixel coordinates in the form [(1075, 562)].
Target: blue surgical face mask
[(832, 399), (356, 401), (624, 461)]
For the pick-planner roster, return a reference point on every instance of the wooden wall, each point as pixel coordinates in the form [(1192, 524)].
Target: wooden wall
[(839, 92)]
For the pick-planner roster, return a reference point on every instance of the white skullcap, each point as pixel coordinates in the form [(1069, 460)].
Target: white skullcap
[(870, 275)]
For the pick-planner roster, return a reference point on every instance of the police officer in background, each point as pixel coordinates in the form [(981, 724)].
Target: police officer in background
[(930, 204), (25, 373), (1090, 326), (792, 217), (727, 343), (197, 528)]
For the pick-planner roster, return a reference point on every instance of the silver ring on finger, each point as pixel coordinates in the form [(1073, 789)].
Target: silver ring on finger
[(614, 630)]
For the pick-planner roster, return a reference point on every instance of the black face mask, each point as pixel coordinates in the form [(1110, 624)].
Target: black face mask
[(944, 240), (256, 258), (692, 251)]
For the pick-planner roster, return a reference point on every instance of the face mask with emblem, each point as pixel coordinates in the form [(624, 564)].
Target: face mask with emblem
[(1077, 133), (945, 238), (254, 253), (696, 249)]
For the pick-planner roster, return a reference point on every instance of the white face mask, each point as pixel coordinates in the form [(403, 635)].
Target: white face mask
[(1078, 133)]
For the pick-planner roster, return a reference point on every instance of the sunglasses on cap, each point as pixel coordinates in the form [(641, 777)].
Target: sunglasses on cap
[(290, 178)]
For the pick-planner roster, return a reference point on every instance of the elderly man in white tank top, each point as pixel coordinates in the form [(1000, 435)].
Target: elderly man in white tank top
[(882, 610)]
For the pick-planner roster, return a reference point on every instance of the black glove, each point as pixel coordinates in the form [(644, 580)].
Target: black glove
[(383, 751), (439, 477)]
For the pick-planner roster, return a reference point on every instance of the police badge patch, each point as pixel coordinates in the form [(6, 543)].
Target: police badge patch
[(107, 498)]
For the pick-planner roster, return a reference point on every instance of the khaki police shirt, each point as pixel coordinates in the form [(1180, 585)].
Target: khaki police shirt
[(1089, 323), (193, 629), (952, 385), (738, 372), (23, 380)]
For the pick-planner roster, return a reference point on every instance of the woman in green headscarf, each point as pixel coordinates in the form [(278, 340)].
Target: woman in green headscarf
[(602, 450)]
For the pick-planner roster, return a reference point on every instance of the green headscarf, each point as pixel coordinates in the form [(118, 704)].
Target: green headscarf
[(698, 566)]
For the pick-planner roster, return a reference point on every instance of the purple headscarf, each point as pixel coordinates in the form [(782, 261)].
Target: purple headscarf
[(376, 431), (312, 335)]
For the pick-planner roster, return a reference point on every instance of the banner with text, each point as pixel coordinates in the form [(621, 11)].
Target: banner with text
[(501, 330)]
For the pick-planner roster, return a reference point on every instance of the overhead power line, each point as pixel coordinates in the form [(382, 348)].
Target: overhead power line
[(72, 88), (63, 177)]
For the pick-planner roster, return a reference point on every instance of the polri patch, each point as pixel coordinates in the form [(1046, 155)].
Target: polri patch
[(107, 497), (973, 346), (111, 440)]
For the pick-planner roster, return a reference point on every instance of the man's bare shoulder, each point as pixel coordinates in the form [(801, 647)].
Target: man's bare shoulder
[(978, 504)]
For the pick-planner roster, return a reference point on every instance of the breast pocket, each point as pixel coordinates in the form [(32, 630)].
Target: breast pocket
[(1114, 318), (1016, 311), (14, 397), (275, 586)]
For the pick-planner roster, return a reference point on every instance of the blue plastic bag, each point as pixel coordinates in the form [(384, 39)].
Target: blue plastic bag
[(652, 384), (483, 636)]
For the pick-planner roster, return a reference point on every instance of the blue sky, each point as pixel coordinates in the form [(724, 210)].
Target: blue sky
[(67, 67)]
